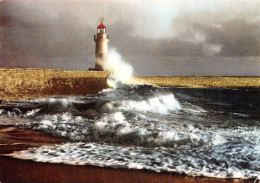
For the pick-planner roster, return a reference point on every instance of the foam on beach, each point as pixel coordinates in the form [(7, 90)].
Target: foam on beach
[(227, 160)]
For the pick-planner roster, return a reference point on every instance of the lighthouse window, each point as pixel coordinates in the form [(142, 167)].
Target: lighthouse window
[(102, 31)]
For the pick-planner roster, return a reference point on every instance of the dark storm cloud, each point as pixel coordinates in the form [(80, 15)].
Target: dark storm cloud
[(236, 37), (128, 44), (37, 41)]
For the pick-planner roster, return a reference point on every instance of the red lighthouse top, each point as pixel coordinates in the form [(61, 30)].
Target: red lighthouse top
[(101, 25)]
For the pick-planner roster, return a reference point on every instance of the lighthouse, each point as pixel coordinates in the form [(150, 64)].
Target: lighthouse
[(101, 40)]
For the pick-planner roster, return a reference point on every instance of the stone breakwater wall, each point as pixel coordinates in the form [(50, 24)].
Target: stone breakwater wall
[(201, 82), (20, 83), (32, 83)]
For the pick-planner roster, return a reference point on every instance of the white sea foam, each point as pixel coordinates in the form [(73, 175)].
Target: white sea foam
[(65, 101), (64, 125), (111, 120), (118, 127), (159, 104), (222, 161), (32, 112), (120, 71), (1, 111)]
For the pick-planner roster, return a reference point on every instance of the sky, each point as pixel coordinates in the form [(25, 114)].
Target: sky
[(157, 37)]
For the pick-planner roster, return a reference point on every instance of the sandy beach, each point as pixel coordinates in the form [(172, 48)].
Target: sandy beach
[(32, 83), (15, 170)]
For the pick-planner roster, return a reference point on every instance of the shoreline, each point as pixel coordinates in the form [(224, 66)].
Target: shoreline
[(30, 171), (17, 170)]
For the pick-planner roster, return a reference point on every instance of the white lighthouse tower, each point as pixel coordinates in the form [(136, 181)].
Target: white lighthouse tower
[(101, 39)]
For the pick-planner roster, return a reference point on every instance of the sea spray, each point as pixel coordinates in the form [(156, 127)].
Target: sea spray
[(120, 71)]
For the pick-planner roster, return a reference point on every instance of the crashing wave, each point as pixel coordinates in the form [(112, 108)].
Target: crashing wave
[(161, 104)]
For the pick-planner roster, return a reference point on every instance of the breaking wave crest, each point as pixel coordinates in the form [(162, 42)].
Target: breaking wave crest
[(161, 104)]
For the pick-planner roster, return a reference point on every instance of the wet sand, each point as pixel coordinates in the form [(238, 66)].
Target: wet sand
[(12, 171), (14, 139), (15, 170)]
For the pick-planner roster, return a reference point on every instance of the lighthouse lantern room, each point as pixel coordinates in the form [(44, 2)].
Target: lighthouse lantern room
[(101, 28)]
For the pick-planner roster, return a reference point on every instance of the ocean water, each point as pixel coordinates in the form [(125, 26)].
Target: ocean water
[(202, 132)]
